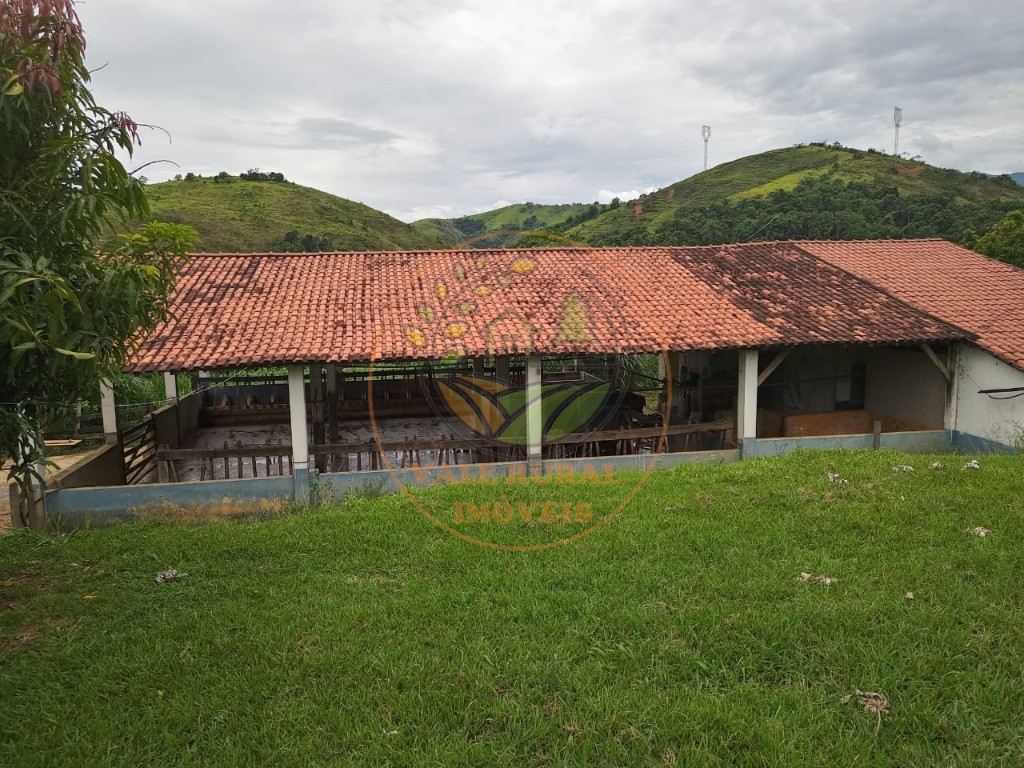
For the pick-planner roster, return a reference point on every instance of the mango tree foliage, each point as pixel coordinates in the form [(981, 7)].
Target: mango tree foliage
[(1005, 241), (70, 304)]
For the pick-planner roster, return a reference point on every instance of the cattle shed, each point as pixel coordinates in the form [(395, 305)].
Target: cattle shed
[(291, 371)]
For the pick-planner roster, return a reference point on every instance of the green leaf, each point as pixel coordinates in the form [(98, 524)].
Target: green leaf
[(576, 412), (76, 355)]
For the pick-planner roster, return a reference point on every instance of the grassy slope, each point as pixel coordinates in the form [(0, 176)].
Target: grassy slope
[(254, 216), (782, 169), (678, 633), (441, 229), (511, 217)]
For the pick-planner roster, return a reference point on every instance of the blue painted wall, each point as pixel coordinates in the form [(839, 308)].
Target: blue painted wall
[(79, 506), (936, 441), (95, 506), (974, 444), (382, 480)]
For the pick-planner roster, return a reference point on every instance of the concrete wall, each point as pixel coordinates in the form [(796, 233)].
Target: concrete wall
[(189, 409), (809, 380), (467, 473), (986, 416), (936, 441), (99, 506), (74, 507), (904, 384), (96, 506), (901, 386), (165, 424), (104, 466), (176, 423)]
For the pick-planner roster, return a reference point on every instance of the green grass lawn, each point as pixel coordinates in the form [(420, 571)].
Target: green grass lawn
[(679, 633)]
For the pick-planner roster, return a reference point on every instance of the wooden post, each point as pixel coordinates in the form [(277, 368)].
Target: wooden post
[(300, 433), (876, 437), (316, 393), (673, 410), (746, 404), (332, 403), (501, 367), (953, 364), (109, 410), (332, 411), (534, 417)]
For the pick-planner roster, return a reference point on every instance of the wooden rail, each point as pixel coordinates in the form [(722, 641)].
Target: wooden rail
[(139, 445), (231, 462)]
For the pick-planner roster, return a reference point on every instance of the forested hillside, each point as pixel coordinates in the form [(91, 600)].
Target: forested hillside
[(495, 229), (263, 212), (804, 192)]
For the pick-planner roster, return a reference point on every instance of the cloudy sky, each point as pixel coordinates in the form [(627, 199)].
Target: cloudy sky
[(444, 107)]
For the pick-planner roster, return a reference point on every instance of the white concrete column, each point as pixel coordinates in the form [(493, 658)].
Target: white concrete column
[(746, 406), (171, 387), (534, 416), (109, 410), (300, 432)]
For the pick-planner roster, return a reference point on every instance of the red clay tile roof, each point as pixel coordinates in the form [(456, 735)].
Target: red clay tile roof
[(236, 310), (979, 294)]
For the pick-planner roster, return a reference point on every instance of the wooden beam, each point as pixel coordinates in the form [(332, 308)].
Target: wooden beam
[(317, 395), (935, 359), (768, 371), (332, 403)]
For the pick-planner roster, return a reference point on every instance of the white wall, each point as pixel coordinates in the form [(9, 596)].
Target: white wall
[(906, 384), (982, 415), (810, 380), (902, 383)]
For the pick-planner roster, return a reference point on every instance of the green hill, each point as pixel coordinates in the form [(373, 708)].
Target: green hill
[(752, 189), (489, 226), (233, 214)]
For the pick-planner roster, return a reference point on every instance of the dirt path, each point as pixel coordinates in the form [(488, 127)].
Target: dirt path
[(62, 462)]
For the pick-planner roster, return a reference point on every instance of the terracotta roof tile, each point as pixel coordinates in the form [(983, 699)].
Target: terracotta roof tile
[(979, 294), (235, 310)]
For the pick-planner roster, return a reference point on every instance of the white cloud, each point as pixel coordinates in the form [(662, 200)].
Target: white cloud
[(606, 196), (424, 105)]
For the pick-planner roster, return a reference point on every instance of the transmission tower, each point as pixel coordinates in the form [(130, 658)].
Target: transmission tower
[(705, 132), (897, 118)]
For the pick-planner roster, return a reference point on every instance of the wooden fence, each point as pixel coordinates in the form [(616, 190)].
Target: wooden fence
[(225, 463), (276, 460), (139, 444)]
